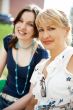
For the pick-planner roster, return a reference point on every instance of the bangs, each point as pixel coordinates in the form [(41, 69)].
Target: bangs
[(48, 20), (51, 17)]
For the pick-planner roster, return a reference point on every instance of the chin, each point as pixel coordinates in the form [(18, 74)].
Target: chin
[(46, 46)]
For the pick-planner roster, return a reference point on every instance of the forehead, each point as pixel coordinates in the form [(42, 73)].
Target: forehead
[(49, 20), (48, 23), (28, 16)]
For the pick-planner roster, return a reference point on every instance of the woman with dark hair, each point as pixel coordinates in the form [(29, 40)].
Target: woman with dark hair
[(52, 79), (21, 53)]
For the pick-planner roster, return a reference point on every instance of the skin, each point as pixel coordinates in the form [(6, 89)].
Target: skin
[(24, 31), (50, 37), (53, 38), (22, 102), (24, 28)]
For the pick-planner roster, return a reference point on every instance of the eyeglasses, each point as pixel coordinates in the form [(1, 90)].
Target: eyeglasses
[(43, 87)]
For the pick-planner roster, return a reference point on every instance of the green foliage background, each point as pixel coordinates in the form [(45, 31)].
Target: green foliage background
[(5, 29)]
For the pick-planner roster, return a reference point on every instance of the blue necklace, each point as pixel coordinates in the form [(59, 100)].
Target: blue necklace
[(28, 69)]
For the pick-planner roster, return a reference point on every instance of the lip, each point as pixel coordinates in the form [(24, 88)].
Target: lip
[(21, 32), (46, 42)]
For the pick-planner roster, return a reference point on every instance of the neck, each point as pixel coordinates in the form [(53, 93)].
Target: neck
[(24, 45), (55, 52)]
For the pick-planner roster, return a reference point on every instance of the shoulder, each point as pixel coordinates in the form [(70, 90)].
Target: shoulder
[(8, 38), (6, 41)]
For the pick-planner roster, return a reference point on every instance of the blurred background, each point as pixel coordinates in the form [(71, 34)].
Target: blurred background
[(10, 8)]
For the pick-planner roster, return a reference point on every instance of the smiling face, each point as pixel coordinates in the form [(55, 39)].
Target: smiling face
[(53, 29), (24, 28), (52, 36)]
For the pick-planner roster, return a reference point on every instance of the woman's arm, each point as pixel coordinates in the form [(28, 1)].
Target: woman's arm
[(3, 59), (21, 103), (30, 105)]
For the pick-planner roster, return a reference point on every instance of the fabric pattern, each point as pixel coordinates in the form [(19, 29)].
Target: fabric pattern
[(59, 83)]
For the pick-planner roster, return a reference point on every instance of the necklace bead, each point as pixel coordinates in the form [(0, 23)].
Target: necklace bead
[(29, 67), (28, 71), (16, 77)]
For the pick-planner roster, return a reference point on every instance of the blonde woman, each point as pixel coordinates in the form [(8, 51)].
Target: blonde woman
[(52, 79)]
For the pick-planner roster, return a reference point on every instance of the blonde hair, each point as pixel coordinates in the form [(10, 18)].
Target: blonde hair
[(54, 17)]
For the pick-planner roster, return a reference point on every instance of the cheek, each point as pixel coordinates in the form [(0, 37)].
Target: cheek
[(16, 26), (16, 29), (31, 30), (40, 36)]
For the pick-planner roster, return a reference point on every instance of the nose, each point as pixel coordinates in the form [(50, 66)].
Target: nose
[(23, 26), (45, 34)]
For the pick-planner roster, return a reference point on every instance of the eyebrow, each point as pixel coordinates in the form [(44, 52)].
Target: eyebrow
[(46, 26)]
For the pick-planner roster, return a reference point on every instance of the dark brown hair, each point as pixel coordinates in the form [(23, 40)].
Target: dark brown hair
[(31, 8)]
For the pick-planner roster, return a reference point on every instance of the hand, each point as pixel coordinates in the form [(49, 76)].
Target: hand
[(30, 105)]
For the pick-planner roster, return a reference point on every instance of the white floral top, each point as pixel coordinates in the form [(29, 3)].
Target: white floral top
[(59, 81)]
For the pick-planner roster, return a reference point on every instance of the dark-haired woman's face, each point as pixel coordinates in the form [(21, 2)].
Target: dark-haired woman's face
[(24, 28)]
